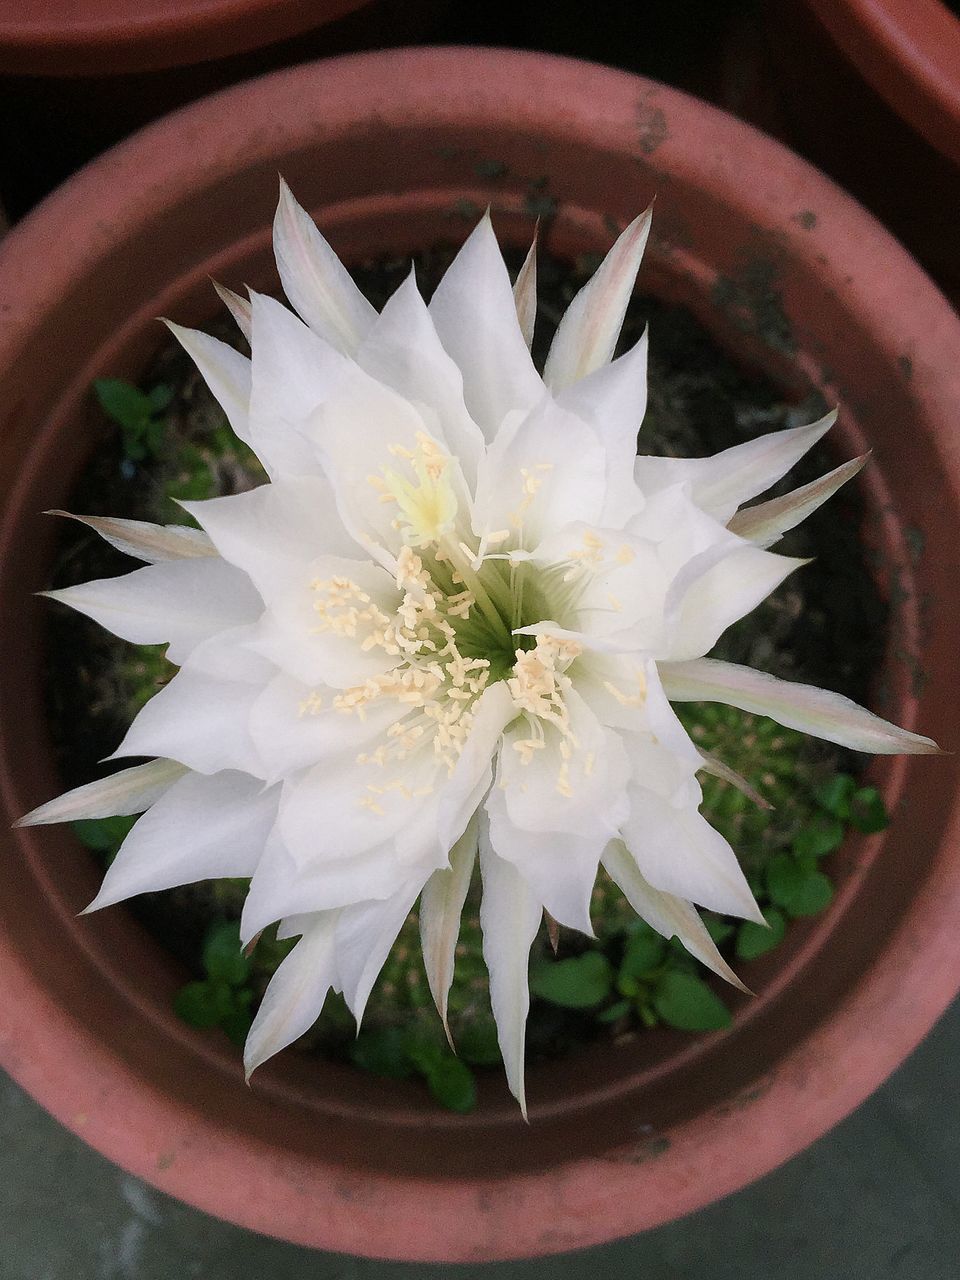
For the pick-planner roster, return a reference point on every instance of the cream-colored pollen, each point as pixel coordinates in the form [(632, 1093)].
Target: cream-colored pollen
[(537, 688)]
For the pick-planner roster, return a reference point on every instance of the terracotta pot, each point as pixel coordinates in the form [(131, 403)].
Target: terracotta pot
[(390, 151), (881, 115), (97, 37)]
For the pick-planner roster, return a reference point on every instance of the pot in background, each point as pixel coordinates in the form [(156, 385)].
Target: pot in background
[(393, 152)]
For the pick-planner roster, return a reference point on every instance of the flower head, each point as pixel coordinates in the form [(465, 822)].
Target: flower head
[(448, 629)]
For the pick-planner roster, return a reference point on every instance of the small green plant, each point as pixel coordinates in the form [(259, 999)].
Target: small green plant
[(417, 1049), (137, 413), (224, 997), (639, 974)]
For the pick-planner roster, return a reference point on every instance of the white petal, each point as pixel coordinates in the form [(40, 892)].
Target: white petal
[(225, 371), (476, 317), (560, 867), (179, 602), (768, 521), (441, 905), (289, 632), (509, 918), (613, 400), (238, 307), (472, 774), (126, 792), (296, 726), (274, 532), (202, 828), (587, 335), (680, 853), (293, 372), (715, 590), (583, 795), (720, 484), (145, 541), (282, 887), (365, 934), (403, 350), (798, 706), (295, 996), (315, 280), (669, 915), (525, 294), (199, 720), (542, 472)]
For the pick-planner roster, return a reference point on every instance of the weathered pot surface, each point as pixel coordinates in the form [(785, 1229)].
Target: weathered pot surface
[(392, 152), (64, 37), (909, 51)]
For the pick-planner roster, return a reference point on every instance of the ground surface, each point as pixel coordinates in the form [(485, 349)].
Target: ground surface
[(879, 1198)]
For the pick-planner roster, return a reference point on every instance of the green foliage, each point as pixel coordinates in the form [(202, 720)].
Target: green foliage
[(137, 414), (685, 1001), (221, 999), (104, 835), (400, 1052), (580, 982), (756, 939)]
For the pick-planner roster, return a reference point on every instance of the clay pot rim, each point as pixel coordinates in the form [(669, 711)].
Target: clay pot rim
[(107, 37), (868, 1033), (909, 52)]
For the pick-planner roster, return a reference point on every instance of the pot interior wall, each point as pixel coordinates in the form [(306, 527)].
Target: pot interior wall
[(767, 307)]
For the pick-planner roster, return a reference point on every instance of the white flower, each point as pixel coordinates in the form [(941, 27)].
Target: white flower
[(450, 626)]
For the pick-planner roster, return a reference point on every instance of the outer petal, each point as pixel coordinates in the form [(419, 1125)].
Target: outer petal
[(670, 916), (293, 372), (315, 280), (587, 335), (128, 791), (295, 996), (441, 905), (476, 317), (720, 484), (525, 294), (365, 934), (180, 602), (225, 371), (199, 720), (238, 307), (402, 350), (559, 867), (680, 853), (798, 706), (202, 828), (145, 541), (765, 523), (715, 590), (274, 532), (509, 917)]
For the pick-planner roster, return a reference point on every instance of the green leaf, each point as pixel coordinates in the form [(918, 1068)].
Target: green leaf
[(835, 793), (223, 956), (718, 928), (815, 893), (868, 812), (123, 402), (160, 397), (237, 1022), (477, 1043), (577, 983), (453, 1085), (202, 1004), (685, 1001), (800, 890), (643, 952), (103, 835), (822, 835), (615, 1012), (383, 1052), (756, 940)]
